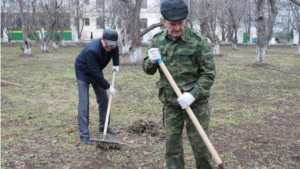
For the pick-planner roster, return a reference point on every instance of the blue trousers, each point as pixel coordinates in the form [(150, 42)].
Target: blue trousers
[(83, 106)]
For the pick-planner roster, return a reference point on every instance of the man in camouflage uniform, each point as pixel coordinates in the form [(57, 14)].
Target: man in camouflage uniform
[(189, 60)]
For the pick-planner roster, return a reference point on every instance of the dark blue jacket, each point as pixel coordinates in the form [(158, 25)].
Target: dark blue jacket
[(92, 60)]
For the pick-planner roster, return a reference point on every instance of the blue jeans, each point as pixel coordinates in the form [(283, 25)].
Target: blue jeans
[(83, 106)]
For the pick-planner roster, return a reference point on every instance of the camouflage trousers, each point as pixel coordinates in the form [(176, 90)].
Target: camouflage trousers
[(174, 119)]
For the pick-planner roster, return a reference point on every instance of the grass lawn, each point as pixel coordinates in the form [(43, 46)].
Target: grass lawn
[(255, 112)]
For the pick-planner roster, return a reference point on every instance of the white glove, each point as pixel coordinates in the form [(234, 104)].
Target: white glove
[(115, 68), (154, 54), (186, 100), (111, 90)]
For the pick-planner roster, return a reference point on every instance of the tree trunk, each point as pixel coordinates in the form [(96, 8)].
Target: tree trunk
[(62, 41), (298, 41), (216, 46), (136, 54), (9, 35), (216, 49), (44, 47), (26, 42), (264, 26), (75, 35), (125, 43), (234, 46), (260, 54), (135, 50), (235, 40), (27, 48), (55, 41), (131, 41), (2, 32)]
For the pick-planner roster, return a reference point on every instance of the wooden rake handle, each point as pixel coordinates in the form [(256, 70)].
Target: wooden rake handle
[(192, 116), (108, 107)]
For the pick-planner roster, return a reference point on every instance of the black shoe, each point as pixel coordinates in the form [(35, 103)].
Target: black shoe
[(109, 130), (86, 140)]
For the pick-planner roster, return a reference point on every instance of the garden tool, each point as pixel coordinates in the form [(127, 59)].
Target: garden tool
[(192, 116), (108, 144)]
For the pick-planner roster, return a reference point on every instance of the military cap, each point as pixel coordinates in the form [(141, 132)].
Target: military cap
[(174, 10)]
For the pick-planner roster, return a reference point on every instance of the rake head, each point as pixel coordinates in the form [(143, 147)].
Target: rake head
[(106, 144)]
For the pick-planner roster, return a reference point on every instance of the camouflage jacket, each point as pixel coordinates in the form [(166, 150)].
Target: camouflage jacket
[(190, 62)]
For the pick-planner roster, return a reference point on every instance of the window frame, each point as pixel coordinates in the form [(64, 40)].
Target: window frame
[(99, 23), (86, 21), (144, 23), (144, 4)]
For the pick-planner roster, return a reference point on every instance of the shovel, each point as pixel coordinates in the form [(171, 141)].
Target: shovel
[(192, 116)]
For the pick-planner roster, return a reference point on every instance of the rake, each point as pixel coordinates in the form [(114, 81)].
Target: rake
[(107, 144), (192, 116)]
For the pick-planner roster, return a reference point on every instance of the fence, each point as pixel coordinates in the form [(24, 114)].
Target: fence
[(17, 34)]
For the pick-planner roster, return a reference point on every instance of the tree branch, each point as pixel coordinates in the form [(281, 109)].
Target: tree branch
[(148, 29), (296, 2)]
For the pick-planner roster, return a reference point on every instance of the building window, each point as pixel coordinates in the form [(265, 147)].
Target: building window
[(99, 23), (144, 4), (99, 3), (86, 2), (143, 23), (86, 21)]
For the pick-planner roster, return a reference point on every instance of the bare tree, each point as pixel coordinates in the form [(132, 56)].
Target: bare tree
[(52, 8), (191, 20), (45, 16), (113, 12), (63, 22), (24, 11), (205, 12), (296, 20), (234, 10), (248, 17), (283, 25), (131, 32), (79, 10), (266, 12), (8, 20)]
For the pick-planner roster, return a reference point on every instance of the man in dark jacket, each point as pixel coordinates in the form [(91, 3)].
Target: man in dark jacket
[(89, 64)]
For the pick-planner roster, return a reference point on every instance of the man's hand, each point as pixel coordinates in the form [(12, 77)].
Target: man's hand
[(154, 54), (115, 68), (186, 100), (111, 90)]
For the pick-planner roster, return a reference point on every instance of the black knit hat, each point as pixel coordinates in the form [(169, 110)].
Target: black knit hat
[(174, 10), (110, 37)]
